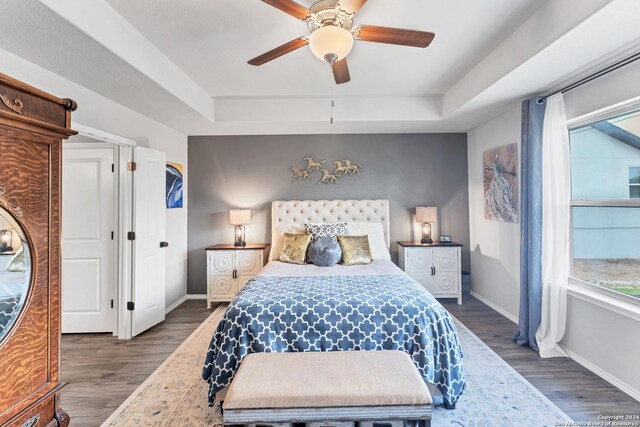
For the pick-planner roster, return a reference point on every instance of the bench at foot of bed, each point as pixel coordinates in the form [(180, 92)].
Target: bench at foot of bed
[(338, 389)]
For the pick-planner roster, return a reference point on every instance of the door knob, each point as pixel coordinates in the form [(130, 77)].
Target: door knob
[(164, 244)]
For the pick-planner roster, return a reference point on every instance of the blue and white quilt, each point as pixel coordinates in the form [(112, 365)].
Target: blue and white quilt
[(338, 313)]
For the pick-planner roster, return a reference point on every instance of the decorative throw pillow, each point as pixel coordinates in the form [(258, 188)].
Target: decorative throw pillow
[(331, 230), (377, 242), (355, 250), (324, 251), (277, 237), (294, 248)]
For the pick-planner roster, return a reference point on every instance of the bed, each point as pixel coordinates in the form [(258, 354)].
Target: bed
[(295, 308)]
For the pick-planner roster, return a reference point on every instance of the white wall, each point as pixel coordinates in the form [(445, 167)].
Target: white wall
[(605, 339), (99, 112), (495, 246)]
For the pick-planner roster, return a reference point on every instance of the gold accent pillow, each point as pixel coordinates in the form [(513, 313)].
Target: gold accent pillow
[(355, 250), (294, 248)]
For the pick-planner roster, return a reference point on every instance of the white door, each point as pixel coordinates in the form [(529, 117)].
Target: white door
[(149, 220), (88, 249)]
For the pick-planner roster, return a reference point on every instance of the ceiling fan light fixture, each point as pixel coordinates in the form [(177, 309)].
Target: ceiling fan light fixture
[(331, 42)]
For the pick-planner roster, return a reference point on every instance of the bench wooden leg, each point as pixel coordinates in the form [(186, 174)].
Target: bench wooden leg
[(449, 405)]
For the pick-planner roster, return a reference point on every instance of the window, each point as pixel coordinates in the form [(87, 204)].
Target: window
[(605, 188), (634, 183)]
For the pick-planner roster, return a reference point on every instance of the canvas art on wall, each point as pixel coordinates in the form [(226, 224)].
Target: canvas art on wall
[(500, 176), (174, 185)]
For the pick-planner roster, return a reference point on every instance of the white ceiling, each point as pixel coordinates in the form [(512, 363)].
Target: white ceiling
[(183, 63), (212, 41)]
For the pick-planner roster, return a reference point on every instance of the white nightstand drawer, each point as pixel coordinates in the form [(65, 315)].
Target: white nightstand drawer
[(220, 262), (445, 259), (229, 268), (248, 262), (221, 288), (445, 283), (242, 281), (418, 260), (423, 279), (437, 267)]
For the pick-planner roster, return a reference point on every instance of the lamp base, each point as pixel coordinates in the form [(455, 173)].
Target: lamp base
[(426, 241), (240, 236)]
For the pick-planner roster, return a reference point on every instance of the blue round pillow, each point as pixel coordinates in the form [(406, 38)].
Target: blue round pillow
[(324, 251)]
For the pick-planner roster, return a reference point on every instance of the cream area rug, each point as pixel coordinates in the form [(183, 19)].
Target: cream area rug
[(175, 394), (496, 395)]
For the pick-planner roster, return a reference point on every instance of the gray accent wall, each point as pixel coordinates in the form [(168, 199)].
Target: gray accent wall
[(409, 170)]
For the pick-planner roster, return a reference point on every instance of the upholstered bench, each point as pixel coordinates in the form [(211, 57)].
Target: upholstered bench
[(332, 388)]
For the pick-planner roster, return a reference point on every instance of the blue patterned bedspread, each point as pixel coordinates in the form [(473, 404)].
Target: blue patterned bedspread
[(333, 313)]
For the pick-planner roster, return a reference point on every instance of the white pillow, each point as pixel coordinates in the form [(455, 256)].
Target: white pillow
[(375, 232), (277, 237)]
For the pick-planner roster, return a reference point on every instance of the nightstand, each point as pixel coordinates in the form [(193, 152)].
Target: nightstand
[(436, 266), (230, 267)]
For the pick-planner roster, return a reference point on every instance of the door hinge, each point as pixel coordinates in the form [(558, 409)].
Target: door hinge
[(132, 166), (113, 167), (131, 305), (131, 235), (111, 303)]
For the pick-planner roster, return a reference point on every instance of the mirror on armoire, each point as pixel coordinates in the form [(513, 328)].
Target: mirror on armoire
[(15, 271)]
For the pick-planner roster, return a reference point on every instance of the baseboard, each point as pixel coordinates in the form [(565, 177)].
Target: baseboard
[(497, 308), (603, 374), (175, 304), (196, 296)]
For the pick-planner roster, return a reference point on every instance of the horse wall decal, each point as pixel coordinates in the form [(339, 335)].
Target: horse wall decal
[(328, 178), (313, 165), (341, 168), (297, 173), (352, 168)]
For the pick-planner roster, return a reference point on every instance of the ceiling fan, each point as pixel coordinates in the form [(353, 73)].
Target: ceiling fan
[(333, 33)]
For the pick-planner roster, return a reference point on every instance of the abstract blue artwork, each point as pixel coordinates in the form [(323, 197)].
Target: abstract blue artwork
[(174, 185)]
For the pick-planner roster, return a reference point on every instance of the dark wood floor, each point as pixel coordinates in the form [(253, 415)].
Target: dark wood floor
[(580, 393), (103, 371)]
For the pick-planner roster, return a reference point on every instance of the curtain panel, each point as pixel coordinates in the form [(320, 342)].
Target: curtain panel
[(556, 214), (533, 110)]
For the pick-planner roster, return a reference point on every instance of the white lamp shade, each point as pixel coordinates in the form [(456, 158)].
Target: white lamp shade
[(240, 216), (424, 214), (331, 40)]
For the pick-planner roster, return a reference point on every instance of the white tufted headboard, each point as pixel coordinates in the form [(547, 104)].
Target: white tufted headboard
[(330, 211)]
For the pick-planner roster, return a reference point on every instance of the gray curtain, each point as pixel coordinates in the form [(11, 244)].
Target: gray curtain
[(531, 222)]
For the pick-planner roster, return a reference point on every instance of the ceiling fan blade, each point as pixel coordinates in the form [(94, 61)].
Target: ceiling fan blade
[(279, 51), (372, 33), (292, 8), (341, 71), (349, 7)]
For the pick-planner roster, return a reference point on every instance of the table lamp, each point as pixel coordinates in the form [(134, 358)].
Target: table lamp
[(240, 218), (6, 239), (426, 216)]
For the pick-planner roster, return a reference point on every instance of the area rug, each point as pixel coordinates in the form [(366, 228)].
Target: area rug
[(496, 395)]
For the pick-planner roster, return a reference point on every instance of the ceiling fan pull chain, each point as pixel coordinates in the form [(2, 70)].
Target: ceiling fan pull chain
[(332, 105)]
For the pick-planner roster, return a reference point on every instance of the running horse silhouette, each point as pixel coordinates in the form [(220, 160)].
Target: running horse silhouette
[(297, 173), (339, 169), (352, 168), (328, 178), (313, 165)]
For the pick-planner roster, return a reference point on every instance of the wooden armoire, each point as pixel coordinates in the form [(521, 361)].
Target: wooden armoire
[(32, 126)]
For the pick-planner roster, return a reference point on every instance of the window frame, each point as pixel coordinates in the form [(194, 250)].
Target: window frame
[(630, 184), (587, 290)]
